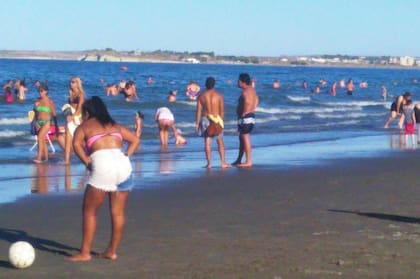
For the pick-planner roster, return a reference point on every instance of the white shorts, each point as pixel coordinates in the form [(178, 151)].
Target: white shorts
[(72, 127), (111, 170)]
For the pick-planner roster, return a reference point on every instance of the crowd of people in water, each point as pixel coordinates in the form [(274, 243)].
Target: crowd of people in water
[(45, 126), (45, 120), (91, 133)]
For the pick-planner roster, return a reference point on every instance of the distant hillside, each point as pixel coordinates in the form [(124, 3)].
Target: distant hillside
[(111, 55), (167, 56)]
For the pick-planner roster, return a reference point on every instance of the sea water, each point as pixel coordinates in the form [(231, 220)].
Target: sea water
[(294, 126)]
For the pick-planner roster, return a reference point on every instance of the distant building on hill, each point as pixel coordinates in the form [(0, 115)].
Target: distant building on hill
[(407, 61), (394, 60), (192, 60)]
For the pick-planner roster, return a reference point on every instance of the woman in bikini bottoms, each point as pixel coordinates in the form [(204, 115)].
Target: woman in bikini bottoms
[(76, 99), (98, 142), (44, 109), (165, 120)]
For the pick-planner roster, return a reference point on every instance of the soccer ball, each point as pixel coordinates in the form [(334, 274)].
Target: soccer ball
[(21, 254)]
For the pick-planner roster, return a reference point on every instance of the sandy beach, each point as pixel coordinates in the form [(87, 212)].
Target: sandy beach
[(351, 218)]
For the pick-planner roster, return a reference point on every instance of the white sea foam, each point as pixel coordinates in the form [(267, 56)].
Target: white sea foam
[(354, 103), (188, 103), (298, 98), (326, 124), (336, 116), (303, 110), (14, 121), (341, 123), (185, 124), (271, 110), (12, 134)]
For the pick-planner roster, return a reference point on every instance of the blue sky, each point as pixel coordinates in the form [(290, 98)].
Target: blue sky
[(227, 27)]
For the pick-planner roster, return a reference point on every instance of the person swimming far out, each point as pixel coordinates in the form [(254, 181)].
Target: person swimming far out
[(333, 90), (193, 90), (20, 89), (276, 84), (130, 92), (172, 96), (350, 87), (8, 95), (150, 80)]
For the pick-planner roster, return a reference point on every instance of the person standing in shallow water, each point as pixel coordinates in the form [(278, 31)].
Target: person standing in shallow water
[(211, 107), (247, 103), (350, 87), (73, 115)]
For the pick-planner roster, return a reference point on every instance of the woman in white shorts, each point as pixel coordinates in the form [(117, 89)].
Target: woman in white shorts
[(166, 120), (98, 142)]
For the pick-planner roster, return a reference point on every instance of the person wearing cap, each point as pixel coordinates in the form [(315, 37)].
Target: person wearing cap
[(396, 109), (138, 124)]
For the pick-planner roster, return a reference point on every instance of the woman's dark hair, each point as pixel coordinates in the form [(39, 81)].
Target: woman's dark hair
[(43, 86), (140, 114), (96, 108)]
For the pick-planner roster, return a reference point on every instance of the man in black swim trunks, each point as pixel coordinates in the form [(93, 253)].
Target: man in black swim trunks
[(247, 103)]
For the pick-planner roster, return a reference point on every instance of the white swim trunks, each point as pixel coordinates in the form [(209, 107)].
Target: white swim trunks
[(111, 171)]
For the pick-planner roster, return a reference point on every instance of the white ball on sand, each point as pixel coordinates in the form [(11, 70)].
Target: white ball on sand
[(21, 254)]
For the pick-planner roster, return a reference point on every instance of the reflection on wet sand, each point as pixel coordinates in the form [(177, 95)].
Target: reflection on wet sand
[(166, 161), (40, 180), (52, 178), (399, 141)]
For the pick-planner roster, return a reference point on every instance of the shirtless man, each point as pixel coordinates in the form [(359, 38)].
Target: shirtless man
[(247, 103), (210, 104), (350, 87)]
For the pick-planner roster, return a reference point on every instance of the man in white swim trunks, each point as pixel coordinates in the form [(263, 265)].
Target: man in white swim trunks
[(247, 103)]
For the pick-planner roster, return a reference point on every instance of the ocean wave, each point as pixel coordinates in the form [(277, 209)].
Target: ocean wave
[(298, 98), (188, 103), (273, 119), (305, 110), (336, 116), (354, 103), (12, 134), (14, 121), (326, 124), (185, 124)]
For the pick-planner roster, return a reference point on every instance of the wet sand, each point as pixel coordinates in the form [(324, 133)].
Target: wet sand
[(353, 218)]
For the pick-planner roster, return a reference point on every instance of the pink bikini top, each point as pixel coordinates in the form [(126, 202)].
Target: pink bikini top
[(94, 138)]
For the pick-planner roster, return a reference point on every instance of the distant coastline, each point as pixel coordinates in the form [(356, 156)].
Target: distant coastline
[(159, 56)]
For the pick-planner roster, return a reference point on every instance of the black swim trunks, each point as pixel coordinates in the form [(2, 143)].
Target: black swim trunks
[(246, 123), (394, 106)]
